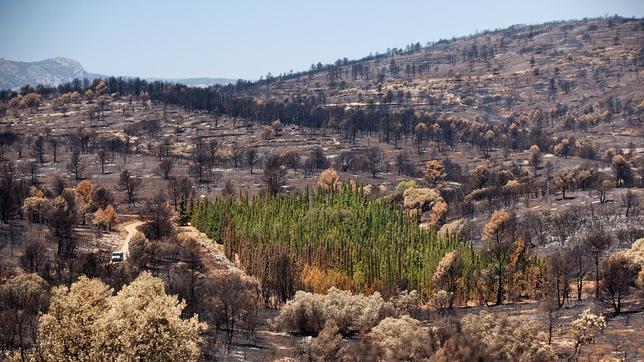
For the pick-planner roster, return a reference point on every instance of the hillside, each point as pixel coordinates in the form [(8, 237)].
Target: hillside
[(490, 74), (476, 199)]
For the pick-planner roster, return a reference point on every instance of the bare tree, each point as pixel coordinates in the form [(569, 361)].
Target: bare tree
[(631, 203), (251, 156), (319, 158), (233, 304), (165, 166), (404, 165), (618, 275), (200, 160), (557, 278), (579, 260), (237, 155), (130, 184), (31, 168), (308, 166), (595, 243), (9, 197), (38, 149), (274, 174), (19, 145), (551, 310), (159, 216), (61, 216), (75, 166), (375, 159), (213, 148), (103, 156), (179, 189), (53, 145)]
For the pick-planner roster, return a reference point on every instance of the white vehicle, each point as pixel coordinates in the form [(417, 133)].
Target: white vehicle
[(118, 256)]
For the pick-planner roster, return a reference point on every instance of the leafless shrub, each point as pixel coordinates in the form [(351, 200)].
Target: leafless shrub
[(507, 338), (402, 339), (307, 313)]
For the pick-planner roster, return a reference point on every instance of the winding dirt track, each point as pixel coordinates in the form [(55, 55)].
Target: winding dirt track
[(131, 231)]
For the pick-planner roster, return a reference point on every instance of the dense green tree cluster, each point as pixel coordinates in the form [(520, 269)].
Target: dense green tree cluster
[(373, 242)]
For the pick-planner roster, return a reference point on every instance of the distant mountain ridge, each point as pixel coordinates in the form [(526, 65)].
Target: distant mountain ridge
[(52, 71), (55, 71)]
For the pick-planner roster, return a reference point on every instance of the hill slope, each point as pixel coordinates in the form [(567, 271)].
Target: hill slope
[(490, 74)]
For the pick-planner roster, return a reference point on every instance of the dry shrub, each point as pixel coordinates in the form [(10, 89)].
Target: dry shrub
[(507, 338), (636, 252), (86, 322), (434, 172), (402, 339), (438, 214), (326, 346), (421, 198), (498, 221), (478, 194), (404, 185), (374, 191), (585, 329), (452, 228), (446, 280), (440, 301), (462, 348), (307, 313), (406, 302)]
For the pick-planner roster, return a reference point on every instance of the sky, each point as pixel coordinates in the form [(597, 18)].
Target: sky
[(247, 39)]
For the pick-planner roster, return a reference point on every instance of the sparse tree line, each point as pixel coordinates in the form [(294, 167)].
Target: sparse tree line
[(519, 131), (496, 189), (505, 185), (487, 188), (23, 195)]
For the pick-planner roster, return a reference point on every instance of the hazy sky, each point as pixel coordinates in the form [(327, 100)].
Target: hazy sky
[(246, 39)]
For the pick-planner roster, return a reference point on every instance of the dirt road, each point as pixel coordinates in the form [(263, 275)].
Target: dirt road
[(131, 231)]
